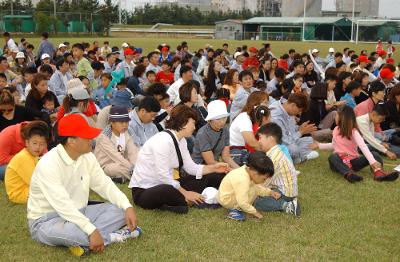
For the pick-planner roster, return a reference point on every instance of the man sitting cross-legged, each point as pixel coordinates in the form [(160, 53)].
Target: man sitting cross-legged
[(58, 210)]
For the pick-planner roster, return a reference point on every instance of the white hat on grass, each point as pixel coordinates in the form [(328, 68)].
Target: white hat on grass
[(216, 110)]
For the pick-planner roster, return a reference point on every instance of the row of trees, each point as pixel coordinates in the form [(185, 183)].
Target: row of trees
[(98, 16)]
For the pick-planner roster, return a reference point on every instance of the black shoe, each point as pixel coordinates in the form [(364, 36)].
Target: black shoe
[(175, 209), (352, 178), (388, 177)]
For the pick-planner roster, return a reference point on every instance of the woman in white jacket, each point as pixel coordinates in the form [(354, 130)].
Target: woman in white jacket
[(115, 149)]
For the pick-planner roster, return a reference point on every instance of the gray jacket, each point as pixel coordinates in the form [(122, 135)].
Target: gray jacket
[(141, 132), (290, 130), (57, 85)]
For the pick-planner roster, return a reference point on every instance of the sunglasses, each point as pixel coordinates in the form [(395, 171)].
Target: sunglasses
[(6, 110)]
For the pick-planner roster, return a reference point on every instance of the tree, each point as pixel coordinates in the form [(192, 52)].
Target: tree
[(16, 24), (43, 22)]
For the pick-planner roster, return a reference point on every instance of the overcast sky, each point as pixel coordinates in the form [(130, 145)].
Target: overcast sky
[(389, 8)]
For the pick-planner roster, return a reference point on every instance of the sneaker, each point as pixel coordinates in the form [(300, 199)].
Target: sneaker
[(379, 175), (124, 234), (236, 215), (353, 178), (312, 155), (175, 209), (293, 207), (79, 251)]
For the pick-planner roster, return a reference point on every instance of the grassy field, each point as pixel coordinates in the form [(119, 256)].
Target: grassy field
[(278, 47), (340, 221)]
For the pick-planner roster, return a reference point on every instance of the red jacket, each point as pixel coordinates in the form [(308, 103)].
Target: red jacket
[(251, 62), (91, 110), (282, 63), (11, 142)]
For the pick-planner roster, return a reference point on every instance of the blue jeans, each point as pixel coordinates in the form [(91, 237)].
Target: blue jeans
[(239, 156), (267, 204), (2, 172)]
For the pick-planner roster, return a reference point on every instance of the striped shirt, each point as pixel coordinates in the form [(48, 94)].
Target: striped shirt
[(285, 176)]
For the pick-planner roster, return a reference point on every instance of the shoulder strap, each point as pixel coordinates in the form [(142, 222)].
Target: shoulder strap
[(178, 151), (219, 139)]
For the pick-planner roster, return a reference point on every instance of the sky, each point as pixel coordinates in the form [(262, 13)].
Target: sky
[(389, 8)]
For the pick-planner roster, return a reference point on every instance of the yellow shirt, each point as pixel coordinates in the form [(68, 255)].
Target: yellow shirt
[(238, 191), (18, 176)]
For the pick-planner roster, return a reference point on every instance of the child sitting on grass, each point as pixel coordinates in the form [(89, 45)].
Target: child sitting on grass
[(284, 180), (240, 187), (346, 141), (150, 79)]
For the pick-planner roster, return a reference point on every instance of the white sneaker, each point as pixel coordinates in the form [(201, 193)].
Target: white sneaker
[(312, 155), (124, 233)]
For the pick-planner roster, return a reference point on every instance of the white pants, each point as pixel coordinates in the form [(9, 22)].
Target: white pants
[(53, 230)]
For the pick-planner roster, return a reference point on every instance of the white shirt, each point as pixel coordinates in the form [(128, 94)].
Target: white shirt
[(11, 45), (153, 68), (60, 184), (173, 91), (242, 123), (157, 160)]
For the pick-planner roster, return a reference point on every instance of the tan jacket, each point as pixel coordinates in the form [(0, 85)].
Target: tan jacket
[(107, 153)]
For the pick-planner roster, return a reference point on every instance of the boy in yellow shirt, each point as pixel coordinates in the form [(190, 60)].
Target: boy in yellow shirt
[(20, 169), (240, 187)]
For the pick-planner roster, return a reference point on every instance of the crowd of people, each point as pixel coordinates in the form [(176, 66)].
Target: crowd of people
[(182, 129)]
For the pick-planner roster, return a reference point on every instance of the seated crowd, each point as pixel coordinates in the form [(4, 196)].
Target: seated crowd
[(180, 129)]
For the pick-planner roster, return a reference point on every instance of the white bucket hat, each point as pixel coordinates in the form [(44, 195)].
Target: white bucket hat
[(75, 83), (20, 55), (78, 93), (331, 50), (44, 56), (237, 54), (315, 51), (61, 45), (216, 110)]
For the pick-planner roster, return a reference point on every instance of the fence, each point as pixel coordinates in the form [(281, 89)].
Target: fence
[(270, 36)]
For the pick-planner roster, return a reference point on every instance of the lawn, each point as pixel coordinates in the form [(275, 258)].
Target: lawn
[(340, 221), (278, 47)]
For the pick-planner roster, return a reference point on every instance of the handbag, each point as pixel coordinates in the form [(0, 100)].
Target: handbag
[(178, 173)]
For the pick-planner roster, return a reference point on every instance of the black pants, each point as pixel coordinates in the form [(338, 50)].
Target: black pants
[(156, 197), (337, 165)]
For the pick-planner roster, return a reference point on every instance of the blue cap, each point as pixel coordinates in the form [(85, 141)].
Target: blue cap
[(122, 98), (119, 114)]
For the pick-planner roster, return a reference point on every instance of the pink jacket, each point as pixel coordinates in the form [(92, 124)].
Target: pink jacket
[(11, 142), (343, 146)]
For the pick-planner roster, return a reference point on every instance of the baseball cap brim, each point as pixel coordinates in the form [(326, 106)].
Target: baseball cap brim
[(76, 125)]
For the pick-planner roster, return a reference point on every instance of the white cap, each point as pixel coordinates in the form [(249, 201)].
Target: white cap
[(75, 83), (235, 55), (331, 50), (210, 195), (315, 51), (44, 56), (61, 45), (125, 45), (216, 110), (15, 50), (78, 93), (20, 55)]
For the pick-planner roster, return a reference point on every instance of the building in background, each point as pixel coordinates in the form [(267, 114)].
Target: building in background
[(229, 29)]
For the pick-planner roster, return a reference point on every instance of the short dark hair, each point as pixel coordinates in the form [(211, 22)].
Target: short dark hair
[(179, 117), (3, 76), (184, 69), (353, 85), (45, 35), (166, 62), (340, 64), (338, 54), (260, 162), (271, 129), (96, 65), (156, 89), (6, 34), (151, 54), (150, 72), (149, 104), (292, 51), (296, 63), (185, 91), (60, 62), (46, 69), (245, 73), (30, 46), (48, 97), (375, 87), (225, 44), (331, 77), (2, 58), (395, 91), (300, 100), (106, 75), (29, 70), (381, 110), (79, 46), (280, 72), (37, 127)]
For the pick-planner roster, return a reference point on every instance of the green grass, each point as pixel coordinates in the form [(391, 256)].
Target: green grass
[(278, 47), (340, 221)]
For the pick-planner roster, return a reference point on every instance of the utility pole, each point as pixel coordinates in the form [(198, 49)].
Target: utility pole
[(304, 20), (12, 7), (352, 22), (55, 8)]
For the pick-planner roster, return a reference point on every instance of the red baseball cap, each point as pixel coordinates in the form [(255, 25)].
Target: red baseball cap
[(129, 51), (382, 52), (165, 49), (253, 49), (390, 61), (364, 59), (76, 125), (386, 73)]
